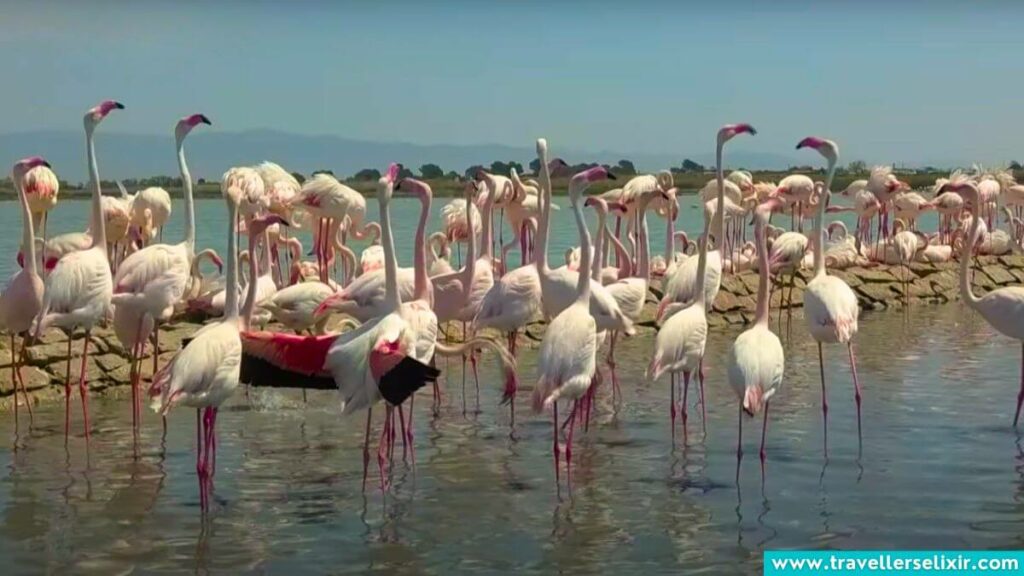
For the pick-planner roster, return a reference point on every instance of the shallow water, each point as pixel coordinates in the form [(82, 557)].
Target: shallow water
[(940, 468)]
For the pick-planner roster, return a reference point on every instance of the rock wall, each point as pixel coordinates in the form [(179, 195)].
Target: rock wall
[(877, 288)]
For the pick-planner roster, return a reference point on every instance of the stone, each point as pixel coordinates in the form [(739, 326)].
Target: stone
[(944, 281), (877, 292), (734, 318), (923, 268), (921, 288), (110, 362), (726, 302), (734, 285), (1012, 260), (872, 274), (982, 281), (998, 274), (750, 280), (47, 353), (851, 280), (1018, 274), (716, 320), (748, 304)]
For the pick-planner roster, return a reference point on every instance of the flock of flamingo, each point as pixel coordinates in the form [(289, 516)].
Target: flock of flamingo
[(118, 273)]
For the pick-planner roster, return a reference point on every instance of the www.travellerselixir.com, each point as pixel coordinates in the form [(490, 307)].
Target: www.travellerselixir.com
[(901, 562)]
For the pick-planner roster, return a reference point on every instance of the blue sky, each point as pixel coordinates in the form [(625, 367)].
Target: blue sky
[(906, 82)]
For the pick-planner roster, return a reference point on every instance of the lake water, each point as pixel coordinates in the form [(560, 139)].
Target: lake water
[(940, 467)]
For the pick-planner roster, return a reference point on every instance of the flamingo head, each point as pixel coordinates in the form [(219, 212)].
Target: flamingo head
[(186, 124), (595, 174), (25, 164), (386, 353), (598, 204), (415, 187), (729, 131), (259, 224), (617, 208), (827, 148), (217, 262), (765, 208), (97, 113), (555, 165), (386, 183)]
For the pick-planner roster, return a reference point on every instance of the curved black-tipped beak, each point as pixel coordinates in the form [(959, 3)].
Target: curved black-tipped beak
[(45, 163), (612, 176), (205, 120), (118, 105)]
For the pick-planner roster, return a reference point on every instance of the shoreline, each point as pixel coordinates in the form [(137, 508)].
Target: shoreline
[(877, 288)]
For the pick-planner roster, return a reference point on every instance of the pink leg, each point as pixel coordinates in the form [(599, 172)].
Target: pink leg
[(14, 382), (554, 420), (686, 399), (568, 447), (213, 441), (476, 378), (824, 397), (382, 450), (67, 394), (366, 446), (739, 443), (405, 438), (412, 445), (1020, 395), (83, 385), (672, 405), (856, 388), (764, 435), (616, 392), (701, 375), (21, 381)]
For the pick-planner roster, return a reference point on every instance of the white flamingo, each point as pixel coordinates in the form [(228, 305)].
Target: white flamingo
[(78, 290)]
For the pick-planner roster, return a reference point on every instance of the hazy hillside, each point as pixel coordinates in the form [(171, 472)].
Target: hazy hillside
[(211, 153)]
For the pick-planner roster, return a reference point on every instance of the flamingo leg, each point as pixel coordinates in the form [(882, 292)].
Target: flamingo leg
[(554, 420), (14, 382), (382, 449), (684, 410), (856, 387), (616, 391), (824, 397), (366, 446), (67, 393), (1020, 395), (83, 385), (412, 446), (672, 406), (21, 381), (405, 438), (739, 443), (568, 446), (476, 377), (764, 436), (701, 375)]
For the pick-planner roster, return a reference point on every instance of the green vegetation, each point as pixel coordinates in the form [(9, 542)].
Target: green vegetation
[(689, 177)]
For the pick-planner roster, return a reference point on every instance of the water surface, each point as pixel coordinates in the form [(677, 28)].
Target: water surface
[(940, 467)]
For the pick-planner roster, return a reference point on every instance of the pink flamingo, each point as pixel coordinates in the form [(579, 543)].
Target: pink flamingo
[(41, 190), (383, 359), (150, 283), (22, 298), (1003, 308), (830, 306), (679, 344), (77, 292), (568, 352), (756, 359)]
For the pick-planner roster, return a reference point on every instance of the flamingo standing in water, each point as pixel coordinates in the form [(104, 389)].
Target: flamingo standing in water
[(679, 344), (23, 296), (77, 292), (1003, 308), (150, 283), (568, 354), (756, 359), (830, 306)]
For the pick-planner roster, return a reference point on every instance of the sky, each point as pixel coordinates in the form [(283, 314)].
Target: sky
[(905, 82)]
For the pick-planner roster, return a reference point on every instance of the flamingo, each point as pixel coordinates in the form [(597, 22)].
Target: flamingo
[(330, 202), (796, 190), (150, 210), (438, 255), (949, 205), (830, 306), (568, 352), (909, 206), (680, 286), (23, 296), (77, 292), (679, 344), (756, 360), (295, 306), (200, 284), (884, 185), (1003, 308), (41, 190), (150, 282), (866, 206)]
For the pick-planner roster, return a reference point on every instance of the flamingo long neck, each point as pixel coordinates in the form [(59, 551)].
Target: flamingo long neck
[(599, 245), (190, 211), (250, 292), (764, 283), (28, 244), (543, 228), (391, 298), (819, 221), (583, 283), (670, 236), (702, 258), (720, 210), (644, 270), (625, 264), (231, 279), (97, 228), (487, 232), (421, 289), (469, 269), (966, 292), (265, 262)]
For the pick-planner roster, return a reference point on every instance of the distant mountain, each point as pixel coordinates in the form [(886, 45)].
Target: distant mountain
[(210, 154)]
